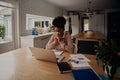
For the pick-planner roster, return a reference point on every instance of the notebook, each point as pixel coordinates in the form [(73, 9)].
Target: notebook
[(43, 54), (64, 67)]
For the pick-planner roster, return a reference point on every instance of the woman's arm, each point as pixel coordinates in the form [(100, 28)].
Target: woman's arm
[(51, 43), (67, 45)]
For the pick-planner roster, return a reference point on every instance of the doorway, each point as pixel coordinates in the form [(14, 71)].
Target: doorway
[(113, 26), (85, 23)]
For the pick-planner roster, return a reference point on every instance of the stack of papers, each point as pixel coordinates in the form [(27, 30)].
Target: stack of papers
[(79, 57), (58, 54), (59, 58), (79, 60)]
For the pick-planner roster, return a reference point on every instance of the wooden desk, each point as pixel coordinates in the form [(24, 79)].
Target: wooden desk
[(21, 65)]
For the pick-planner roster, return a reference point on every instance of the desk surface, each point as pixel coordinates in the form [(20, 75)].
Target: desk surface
[(21, 65)]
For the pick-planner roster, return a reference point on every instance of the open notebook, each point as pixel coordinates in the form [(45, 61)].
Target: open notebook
[(45, 55)]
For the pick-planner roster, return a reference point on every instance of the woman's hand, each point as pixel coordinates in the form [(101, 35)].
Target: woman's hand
[(58, 36)]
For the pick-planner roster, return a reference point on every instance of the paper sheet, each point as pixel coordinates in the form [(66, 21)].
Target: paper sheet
[(80, 64), (59, 58), (79, 60), (57, 52)]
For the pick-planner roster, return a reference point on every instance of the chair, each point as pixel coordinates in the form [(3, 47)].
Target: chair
[(87, 46)]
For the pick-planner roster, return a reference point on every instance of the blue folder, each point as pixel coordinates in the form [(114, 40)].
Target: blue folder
[(103, 77), (85, 74)]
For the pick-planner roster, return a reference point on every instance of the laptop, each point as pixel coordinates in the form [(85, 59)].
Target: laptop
[(49, 55), (43, 54)]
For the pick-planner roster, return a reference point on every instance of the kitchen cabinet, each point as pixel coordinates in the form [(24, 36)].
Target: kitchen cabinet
[(39, 41)]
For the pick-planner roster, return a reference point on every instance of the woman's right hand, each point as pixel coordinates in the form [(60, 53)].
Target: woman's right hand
[(57, 36)]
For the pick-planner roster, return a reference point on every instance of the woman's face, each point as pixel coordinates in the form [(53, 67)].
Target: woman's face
[(60, 30)]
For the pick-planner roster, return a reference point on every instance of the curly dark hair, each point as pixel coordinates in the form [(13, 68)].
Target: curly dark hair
[(59, 21)]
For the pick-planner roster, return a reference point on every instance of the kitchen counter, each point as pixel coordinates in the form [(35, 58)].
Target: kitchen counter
[(39, 41)]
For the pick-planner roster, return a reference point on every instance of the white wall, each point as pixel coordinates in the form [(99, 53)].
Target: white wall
[(36, 7), (97, 23)]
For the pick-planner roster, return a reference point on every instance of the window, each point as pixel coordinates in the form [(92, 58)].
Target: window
[(37, 21), (6, 19)]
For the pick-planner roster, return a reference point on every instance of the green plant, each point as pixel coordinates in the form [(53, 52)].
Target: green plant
[(2, 31), (108, 54)]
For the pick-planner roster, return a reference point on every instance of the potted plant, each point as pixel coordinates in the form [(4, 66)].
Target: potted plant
[(2, 31), (108, 55)]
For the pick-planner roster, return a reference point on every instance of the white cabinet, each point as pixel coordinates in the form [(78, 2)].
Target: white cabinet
[(39, 41)]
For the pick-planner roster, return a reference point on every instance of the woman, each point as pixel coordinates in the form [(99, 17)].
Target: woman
[(61, 40)]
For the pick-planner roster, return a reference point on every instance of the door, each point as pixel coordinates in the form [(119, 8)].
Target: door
[(113, 28)]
